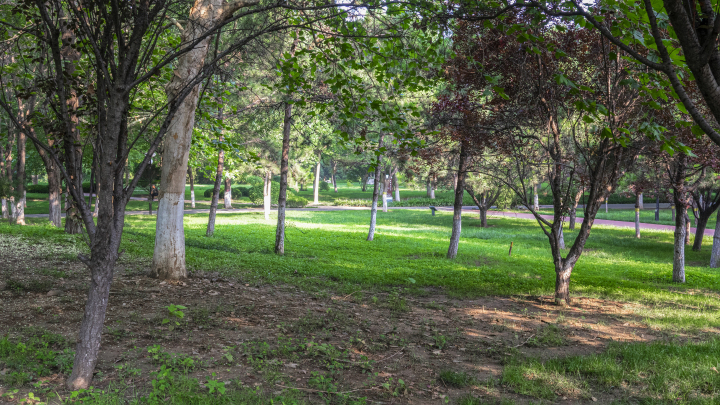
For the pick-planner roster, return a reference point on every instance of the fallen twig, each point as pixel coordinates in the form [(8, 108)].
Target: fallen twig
[(523, 343)]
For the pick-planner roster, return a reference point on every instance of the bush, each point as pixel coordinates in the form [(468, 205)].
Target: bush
[(38, 188), (324, 186), (208, 193), (255, 194), (86, 188), (241, 191), (294, 201)]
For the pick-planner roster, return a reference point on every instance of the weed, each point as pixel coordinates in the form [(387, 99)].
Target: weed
[(549, 336), (440, 341), (172, 361), (175, 313), (456, 379), (53, 273)]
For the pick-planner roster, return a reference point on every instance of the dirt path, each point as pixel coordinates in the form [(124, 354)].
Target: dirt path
[(272, 337)]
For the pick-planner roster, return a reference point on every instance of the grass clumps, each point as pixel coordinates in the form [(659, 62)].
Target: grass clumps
[(549, 336), (456, 379), (681, 373), (41, 355)]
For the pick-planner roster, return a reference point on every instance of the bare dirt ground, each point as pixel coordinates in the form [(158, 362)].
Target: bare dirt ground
[(276, 336)]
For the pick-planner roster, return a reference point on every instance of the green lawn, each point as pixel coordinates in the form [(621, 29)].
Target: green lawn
[(329, 249)]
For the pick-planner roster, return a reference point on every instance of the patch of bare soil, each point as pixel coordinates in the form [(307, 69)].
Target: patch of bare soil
[(277, 336)]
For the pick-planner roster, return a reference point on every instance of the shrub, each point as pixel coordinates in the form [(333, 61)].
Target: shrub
[(324, 186), (255, 194), (294, 201), (241, 191), (38, 188), (208, 193)]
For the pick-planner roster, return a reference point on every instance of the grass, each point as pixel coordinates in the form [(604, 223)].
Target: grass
[(650, 373)]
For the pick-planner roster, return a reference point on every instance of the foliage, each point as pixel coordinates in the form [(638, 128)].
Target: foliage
[(324, 186), (294, 201)]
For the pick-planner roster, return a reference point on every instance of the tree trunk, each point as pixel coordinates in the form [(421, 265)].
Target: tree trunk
[(228, 193), (427, 187), (364, 179), (73, 222), (4, 203), (97, 203), (376, 181), (282, 198), (457, 206), (687, 228), (679, 244), (562, 283), (672, 212), (169, 254), (334, 171), (483, 217), (192, 189), (536, 198), (316, 184), (700, 230), (561, 239), (267, 194), (54, 190), (715, 255), (20, 171), (657, 208), (638, 203), (432, 187), (572, 217), (396, 185), (215, 195)]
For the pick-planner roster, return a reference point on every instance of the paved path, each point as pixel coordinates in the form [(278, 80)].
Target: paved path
[(620, 224), (467, 209)]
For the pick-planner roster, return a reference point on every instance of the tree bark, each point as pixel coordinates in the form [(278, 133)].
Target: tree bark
[(562, 283), (228, 193), (54, 192), (536, 198), (376, 181), (641, 202), (427, 187), (282, 198), (715, 254), (657, 207), (364, 179), (216, 194), (457, 206), (316, 184)]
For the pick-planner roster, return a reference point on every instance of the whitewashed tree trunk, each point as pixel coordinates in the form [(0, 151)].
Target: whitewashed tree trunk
[(536, 198), (384, 199), (192, 190), (637, 223), (606, 205), (316, 184), (397, 186), (228, 193), (169, 255), (5, 213), (715, 254), (376, 191), (432, 187), (640, 202), (267, 194)]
